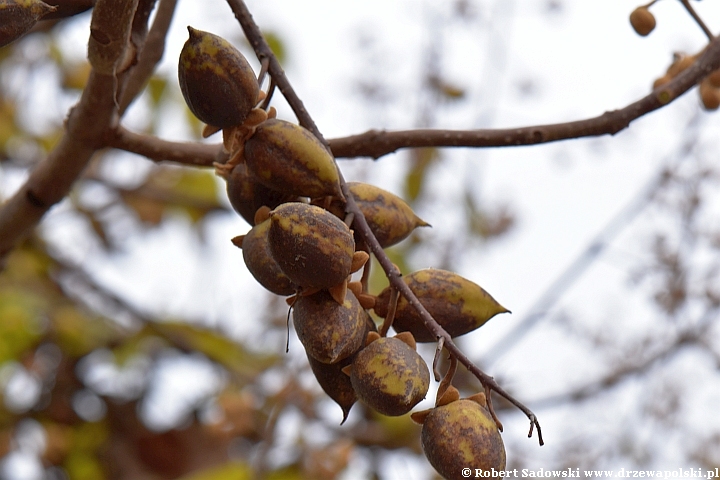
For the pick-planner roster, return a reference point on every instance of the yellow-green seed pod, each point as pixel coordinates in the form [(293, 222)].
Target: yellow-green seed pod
[(17, 17), (330, 332), (288, 158), (217, 82), (313, 247), (457, 304), (389, 217), (247, 195), (389, 376), (462, 435), (333, 381), (261, 264)]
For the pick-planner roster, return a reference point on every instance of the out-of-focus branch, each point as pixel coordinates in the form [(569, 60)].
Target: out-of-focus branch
[(85, 127), (150, 55)]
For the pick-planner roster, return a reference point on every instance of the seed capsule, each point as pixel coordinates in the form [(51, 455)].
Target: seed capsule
[(17, 17), (389, 217), (217, 82), (457, 304), (333, 381), (260, 263), (329, 331), (246, 195), (288, 158), (313, 247), (709, 95), (389, 376), (642, 21), (462, 434)]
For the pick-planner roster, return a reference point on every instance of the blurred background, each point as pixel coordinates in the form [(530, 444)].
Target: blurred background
[(134, 344)]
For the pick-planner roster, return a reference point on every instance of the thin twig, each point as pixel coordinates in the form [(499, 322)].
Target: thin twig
[(150, 55), (698, 20), (254, 36)]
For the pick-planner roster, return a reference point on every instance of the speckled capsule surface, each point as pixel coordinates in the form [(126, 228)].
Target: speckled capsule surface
[(390, 219), (329, 331), (313, 247), (457, 304), (216, 80), (462, 434), (389, 376), (333, 381), (17, 17), (261, 264), (288, 158), (247, 195)]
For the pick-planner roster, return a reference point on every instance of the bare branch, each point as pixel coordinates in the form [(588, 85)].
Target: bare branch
[(696, 17), (376, 143), (150, 55), (186, 153), (53, 178)]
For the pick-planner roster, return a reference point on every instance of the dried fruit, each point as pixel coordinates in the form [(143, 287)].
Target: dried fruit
[(389, 376), (288, 158), (331, 379), (17, 17), (217, 82), (329, 331), (457, 304), (246, 195), (709, 95), (260, 263), (714, 78), (461, 434), (642, 21), (389, 217), (313, 247)]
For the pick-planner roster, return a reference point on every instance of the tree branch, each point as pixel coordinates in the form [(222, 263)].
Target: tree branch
[(376, 143), (150, 55), (53, 178), (254, 36), (186, 153)]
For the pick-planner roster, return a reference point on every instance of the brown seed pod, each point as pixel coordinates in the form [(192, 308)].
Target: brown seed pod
[(247, 195), (332, 380), (389, 376), (260, 263), (389, 217), (313, 247), (680, 64), (457, 304), (329, 331), (642, 21), (709, 95), (217, 82), (288, 158), (714, 78), (461, 434), (17, 17)]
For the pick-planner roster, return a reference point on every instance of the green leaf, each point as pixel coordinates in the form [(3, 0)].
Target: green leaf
[(276, 45), (234, 356), (420, 162)]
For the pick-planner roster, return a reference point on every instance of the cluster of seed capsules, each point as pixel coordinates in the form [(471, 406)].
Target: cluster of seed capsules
[(643, 22), (285, 183)]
